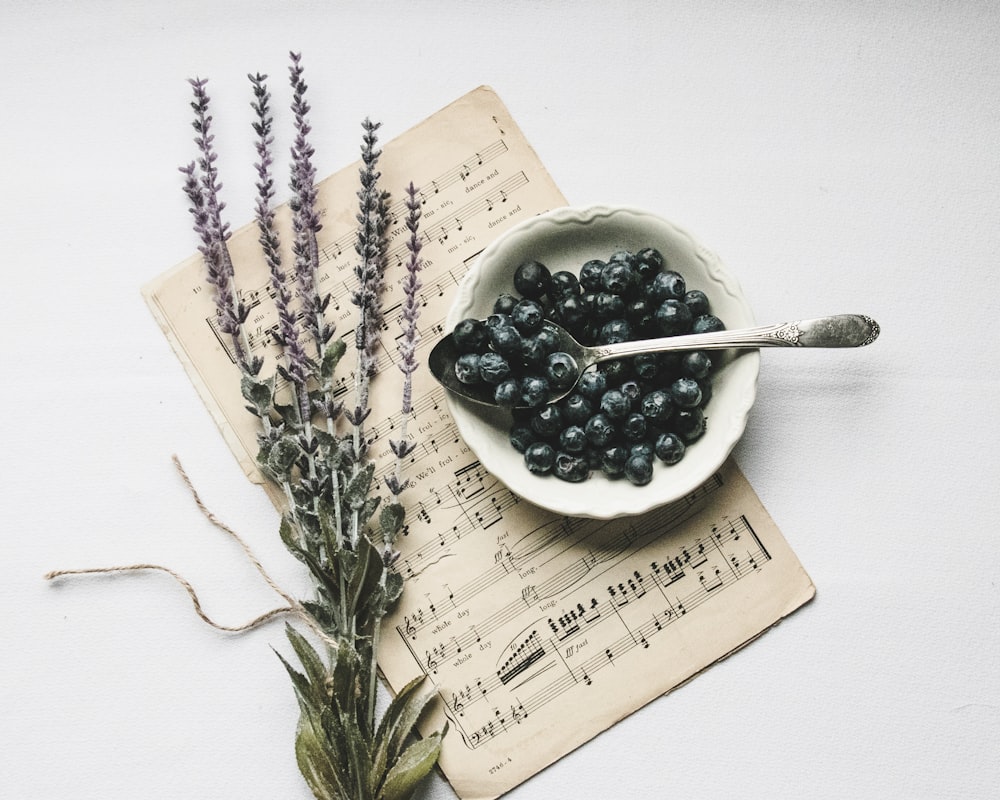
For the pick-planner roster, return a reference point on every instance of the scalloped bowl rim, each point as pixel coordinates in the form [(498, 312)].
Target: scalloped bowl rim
[(485, 430)]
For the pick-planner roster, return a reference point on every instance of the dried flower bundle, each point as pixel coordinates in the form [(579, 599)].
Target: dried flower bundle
[(335, 521)]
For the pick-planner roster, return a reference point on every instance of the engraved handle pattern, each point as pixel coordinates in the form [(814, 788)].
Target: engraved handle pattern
[(841, 330)]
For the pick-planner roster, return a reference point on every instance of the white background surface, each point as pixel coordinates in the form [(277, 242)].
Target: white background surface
[(839, 156)]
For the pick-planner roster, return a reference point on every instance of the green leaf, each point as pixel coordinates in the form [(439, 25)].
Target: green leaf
[(286, 530), (403, 711), (365, 582), (393, 587), (263, 452), (283, 455), (346, 687), (322, 575), (258, 393), (356, 491), (359, 757), (316, 671), (315, 764), (303, 689), (331, 357), (328, 525), (370, 507), (391, 520), (411, 768)]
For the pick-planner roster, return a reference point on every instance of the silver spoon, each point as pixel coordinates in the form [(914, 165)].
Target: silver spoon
[(839, 330)]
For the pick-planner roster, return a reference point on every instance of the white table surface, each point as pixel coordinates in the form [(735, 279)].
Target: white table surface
[(838, 156)]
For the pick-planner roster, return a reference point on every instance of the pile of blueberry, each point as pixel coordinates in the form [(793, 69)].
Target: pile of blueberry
[(619, 416)]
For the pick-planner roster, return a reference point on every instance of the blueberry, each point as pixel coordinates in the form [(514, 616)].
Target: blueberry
[(656, 407), (506, 340), (521, 436), (685, 393), (688, 424), (539, 458), (639, 470), (599, 430), (622, 257), (527, 317), (618, 277), (470, 336), (577, 409), (707, 323), (648, 262), (534, 391), (696, 364), (592, 384), (673, 318), (697, 301), (467, 368), (639, 309), (669, 448), (573, 440), (608, 306), (493, 368), (615, 331), (613, 460), (504, 304), (498, 320), (532, 280), (632, 390), (571, 468), (593, 458), (590, 275), (561, 370), (534, 351), (507, 393), (615, 404), (646, 365), (634, 427), (571, 309), (643, 449), (549, 337), (706, 391), (667, 285), (616, 371), (563, 284), (548, 422)]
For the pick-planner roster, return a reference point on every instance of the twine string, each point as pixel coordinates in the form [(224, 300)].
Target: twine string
[(293, 607)]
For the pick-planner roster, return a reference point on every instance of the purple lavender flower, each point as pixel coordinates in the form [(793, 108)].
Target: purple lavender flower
[(371, 247), (202, 187), (288, 336), (305, 218)]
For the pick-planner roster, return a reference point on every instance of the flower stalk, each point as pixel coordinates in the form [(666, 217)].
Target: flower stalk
[(335, 523)]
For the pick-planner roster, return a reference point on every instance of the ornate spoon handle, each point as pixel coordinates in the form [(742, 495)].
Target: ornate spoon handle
[(839, 330)]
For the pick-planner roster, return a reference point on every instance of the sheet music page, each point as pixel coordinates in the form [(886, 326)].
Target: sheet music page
[(537, 631)]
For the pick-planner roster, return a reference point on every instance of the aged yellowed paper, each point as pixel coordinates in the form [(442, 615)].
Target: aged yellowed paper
[(537, 631)]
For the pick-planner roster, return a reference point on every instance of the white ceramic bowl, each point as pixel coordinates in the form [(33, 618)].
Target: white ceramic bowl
[(563, 239)]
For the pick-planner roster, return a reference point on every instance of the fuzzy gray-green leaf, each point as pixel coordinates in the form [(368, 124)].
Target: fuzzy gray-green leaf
[(328, 525), (283, 455), (316, 766), (315, 670), (391, 520), (258, 393), (356, 491), (393, 587), (331, 357), (411, 768)]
